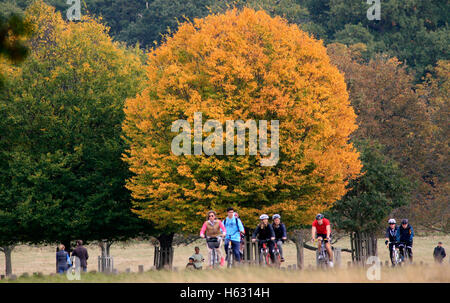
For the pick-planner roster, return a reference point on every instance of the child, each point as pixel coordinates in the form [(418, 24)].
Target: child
[(190, 265), (198, 258)]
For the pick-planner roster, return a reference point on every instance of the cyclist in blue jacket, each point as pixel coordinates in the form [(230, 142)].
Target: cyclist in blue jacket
[(406, 234), (280, 233), (234, 228)]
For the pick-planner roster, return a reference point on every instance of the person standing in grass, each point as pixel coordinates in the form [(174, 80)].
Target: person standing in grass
[(62, 259), (81, 253), (439, 253), (198, 258)]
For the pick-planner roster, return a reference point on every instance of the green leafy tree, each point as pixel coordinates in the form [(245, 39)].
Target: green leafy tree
[(380, 189), (414, 31), (61, 113)]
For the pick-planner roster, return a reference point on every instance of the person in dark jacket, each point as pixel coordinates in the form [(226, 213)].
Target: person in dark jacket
[(280, 233), (392, 237), (81, 253), (406, 234), (265, 233), (439, 253), (62, 258)]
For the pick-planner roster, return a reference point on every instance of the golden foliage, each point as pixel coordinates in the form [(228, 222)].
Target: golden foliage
[(240, 65)]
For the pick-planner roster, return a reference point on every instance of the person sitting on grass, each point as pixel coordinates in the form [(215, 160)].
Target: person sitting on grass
[(198, 258), (190, 265)]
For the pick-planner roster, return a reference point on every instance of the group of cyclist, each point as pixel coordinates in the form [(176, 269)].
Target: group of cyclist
[(401, 237), (271, 234), (232, 231)]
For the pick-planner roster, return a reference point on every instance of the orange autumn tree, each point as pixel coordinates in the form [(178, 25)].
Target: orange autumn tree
[(240, 65)]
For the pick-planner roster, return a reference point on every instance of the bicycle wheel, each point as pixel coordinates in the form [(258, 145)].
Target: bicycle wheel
[(277, 259), (396, 257), (213, 258), (262, 258), (230, 257)]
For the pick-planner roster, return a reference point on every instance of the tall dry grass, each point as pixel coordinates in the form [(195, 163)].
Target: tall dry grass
[(426, 274)]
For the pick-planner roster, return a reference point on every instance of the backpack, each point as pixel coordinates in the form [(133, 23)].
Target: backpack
[(237, 223)]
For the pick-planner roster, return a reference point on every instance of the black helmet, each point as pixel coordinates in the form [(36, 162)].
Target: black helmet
[(319, 217), (405, 221)]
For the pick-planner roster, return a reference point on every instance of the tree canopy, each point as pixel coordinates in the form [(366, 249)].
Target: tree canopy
[(240, 65), (62, 176), (381, 188)]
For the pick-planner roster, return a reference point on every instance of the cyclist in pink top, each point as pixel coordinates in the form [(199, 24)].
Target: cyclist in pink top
[(214, 228)]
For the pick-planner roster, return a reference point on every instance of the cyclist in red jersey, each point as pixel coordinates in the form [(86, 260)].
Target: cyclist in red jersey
[(322, 227)]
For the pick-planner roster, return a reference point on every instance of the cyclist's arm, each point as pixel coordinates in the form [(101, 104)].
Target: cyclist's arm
[(255, 232), (202, 231), (397, 236), (328, 231), (222, 227), (272, 232), (387, 234), (284, 235), (412, 234), (240, 226), (313, 232)]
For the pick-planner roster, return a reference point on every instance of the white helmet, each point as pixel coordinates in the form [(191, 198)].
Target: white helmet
[(392, 221), (263, 216), (276, 216)]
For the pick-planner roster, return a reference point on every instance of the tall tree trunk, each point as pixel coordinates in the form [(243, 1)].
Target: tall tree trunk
[(364, 246), (165, 251), (7, 250), (106, 265), (300, 251), (373, 247)]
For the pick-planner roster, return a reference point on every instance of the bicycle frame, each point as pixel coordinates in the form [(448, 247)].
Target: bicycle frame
[(264, 257), (277, 255), (396, 254), (230, 254), (213, 243), (405, 256), (323, 258)]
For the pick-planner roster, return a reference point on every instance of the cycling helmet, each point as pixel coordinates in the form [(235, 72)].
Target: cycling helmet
[(276, 216), (263, 216), (319, 217), (392, 221), (405, 221)]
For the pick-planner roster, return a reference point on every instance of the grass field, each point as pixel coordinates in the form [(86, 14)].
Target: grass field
[(132, 254)]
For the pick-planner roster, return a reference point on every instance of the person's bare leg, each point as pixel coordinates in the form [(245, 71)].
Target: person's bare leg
[(330, 253)]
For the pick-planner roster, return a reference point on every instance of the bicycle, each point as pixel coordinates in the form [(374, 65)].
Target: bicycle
[(403, 253), (277, 255), (323, 260), (230, 255), (395, 257), (264, 254), (213, 243)]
